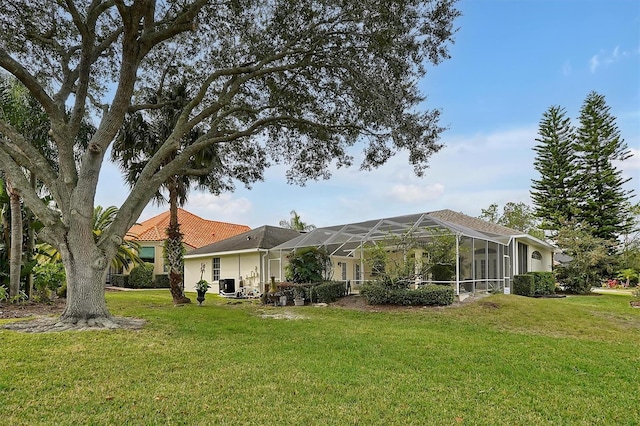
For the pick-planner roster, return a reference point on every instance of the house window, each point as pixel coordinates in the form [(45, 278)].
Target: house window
[(522, 258), (357, 273), (344, 271), (148, 254), (215, 268), (536, 255)]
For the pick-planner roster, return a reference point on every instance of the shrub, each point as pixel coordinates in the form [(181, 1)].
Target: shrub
[(47, 279), (142, 276), (161, 281), (523, 285), (328, 292), (432, 294), (307, 265), (3, 293), (120, 280), (543, 282)]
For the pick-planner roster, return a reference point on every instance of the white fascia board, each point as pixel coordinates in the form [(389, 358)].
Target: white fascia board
[(224, 253), (535, 240)]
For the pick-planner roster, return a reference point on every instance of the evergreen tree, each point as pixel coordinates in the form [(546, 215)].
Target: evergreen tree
[(553, 194), (603, 202)]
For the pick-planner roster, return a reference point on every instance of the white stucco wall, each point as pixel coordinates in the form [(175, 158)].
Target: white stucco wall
[(245, 268)]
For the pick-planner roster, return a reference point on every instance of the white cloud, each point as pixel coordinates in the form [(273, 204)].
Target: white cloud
[(607, 58), (416, 193), (220, 206), (594, 63), (633, 163)]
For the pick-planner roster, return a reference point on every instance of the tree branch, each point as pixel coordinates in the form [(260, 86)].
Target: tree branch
[(30, 82)]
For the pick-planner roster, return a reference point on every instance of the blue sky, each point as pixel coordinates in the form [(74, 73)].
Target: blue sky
[(511, 61)]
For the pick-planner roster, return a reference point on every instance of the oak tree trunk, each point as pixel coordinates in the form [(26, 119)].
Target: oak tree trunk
[(86, 269)]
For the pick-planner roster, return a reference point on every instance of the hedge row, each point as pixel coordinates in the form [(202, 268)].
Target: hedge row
[(159, 281), (523, 285), (432, 294), (534, 284), (328, 292)]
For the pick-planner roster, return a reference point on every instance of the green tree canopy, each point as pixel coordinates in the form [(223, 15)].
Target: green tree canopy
[(579, 181), (518, 216), (554, 193), (273, 81)]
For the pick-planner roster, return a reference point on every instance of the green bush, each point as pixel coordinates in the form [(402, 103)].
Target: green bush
[(120, 280), (328, 292), (307, 265), (47, 279), (161, 281), (142, 276), (523, 285), (432, 294), (544, 283)]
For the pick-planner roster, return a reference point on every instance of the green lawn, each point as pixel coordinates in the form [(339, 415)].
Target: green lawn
[(503, 360)]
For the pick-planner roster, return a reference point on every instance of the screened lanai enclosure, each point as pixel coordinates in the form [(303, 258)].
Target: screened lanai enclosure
[(482, 257)]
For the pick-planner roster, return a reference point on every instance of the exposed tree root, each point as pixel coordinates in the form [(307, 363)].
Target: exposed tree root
[(48, 324)]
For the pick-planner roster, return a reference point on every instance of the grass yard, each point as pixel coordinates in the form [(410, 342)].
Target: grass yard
[(502, 360)]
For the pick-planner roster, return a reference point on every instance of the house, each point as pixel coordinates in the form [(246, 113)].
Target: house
[(237, 264), (197, 232), (489, 255)]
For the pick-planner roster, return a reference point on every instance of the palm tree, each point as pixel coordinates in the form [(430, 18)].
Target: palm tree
[(140, 137), (5, 227), (296, 223), (28, 118)]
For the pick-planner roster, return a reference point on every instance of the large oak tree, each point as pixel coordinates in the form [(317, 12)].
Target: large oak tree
[(270, 81)]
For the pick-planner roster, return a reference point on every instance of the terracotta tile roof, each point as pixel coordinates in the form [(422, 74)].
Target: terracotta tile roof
[(198, 232)]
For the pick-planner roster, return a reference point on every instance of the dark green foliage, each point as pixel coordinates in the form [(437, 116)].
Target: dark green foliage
[(553, 194), (579, 181), (328, 292), (544, 283), (590, 261), (524, 285), (377, 293), (142, 276), (604, 203), (161, 281), (443, 272), (307, 265), (120, 280)]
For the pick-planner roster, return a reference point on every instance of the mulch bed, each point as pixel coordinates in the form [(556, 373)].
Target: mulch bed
[(30, 309)]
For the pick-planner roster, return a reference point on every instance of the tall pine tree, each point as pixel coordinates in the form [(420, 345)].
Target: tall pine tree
[(603, 201), (554, 194)]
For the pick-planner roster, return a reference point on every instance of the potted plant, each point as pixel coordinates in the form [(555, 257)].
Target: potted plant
[(298, 296), (201, 287)]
